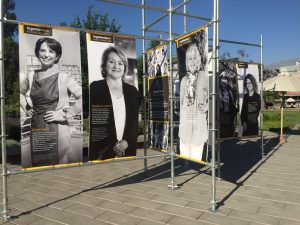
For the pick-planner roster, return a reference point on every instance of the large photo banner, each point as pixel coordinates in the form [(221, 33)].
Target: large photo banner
[(158, 92), (50, 96), (250, 99), (114, 98), (194, 92), (228, 99), (157, 62)]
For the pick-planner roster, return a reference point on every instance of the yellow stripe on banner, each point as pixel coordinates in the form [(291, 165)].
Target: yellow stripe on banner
[(158, 149), (189, 34), (21, 28), (160, 121), (193, 160), (89, 37), (149, 85), (66, 28), (101, 161), (123, 36), (38, 168), (52, 166), (151, 78), (35, 24), (155, 48), (66, 165), (49, 26), (112, 159), (125, 157)]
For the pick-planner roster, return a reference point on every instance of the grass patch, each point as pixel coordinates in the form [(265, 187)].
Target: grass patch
[(272, 119)]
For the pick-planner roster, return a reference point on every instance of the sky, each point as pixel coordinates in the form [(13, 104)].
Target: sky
[(240, 20)]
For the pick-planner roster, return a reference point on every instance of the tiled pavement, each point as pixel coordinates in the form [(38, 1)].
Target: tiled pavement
[(252, 191)]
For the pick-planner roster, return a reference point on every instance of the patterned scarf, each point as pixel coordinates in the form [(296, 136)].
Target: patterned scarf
[(191, 88)]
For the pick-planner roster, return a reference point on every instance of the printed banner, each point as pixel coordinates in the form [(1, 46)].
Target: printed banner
[(192, 66), (114, 98), (158, 135), (50, 96), (157, 62), (250, 99), (228, 99), (158, 88)]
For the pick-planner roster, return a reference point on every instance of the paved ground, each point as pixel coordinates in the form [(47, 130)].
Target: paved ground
[(252, 191)]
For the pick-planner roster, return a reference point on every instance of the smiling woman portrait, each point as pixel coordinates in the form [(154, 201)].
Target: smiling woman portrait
[(114, 108), (45, 98), (193, 127)]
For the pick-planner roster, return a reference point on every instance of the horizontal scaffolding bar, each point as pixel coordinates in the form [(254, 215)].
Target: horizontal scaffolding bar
[(155, 21), (155, 8), (117, 2), (192, 16), (91, 31), (161, 32), (239, 43), (75, 165)]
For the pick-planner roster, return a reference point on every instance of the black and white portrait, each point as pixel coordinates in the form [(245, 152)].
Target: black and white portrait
[(228, 99), (251, 106), (250, 99), (114, 101), (50, 96), (158, 135), (192, 66), (157, 61)]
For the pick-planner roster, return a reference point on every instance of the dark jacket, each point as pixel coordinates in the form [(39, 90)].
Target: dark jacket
[(250, 112), (103, 134)]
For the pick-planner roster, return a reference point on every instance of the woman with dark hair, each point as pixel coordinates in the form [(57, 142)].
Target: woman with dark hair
[(45, 98), (113, 110), (251, 106)]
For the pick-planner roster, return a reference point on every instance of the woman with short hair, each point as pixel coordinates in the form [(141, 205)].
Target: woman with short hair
[(45, 98), (117, 103)]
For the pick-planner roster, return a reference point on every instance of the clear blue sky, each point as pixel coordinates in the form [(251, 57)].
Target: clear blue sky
[(241, 20)]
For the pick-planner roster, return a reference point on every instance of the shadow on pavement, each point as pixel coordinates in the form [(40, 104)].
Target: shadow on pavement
[(239, 156)]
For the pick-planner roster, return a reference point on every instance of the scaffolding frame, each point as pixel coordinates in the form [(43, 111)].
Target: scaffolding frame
[(215, 57)]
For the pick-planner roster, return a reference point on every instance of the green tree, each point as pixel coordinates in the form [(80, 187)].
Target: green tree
[(242, 54), (95, 20), (11, 63), (154, 43), (11, 71)]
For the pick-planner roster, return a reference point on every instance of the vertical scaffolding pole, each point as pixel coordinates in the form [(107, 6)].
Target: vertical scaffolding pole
[(144, 89), (185, 31), (184, 19), (173, 185), (214, 109), (218, 111), (261, 96), (3, 129)]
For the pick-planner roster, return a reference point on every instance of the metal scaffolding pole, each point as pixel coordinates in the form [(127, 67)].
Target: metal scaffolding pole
[(214, 109), (261, 95), (173, 185), (218, 111), (144, 89), (185, 31), (3, 129), (184, 19), (166, 14)]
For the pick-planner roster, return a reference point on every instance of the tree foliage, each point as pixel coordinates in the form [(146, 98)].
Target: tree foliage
[(95, 20), (11, 63)]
